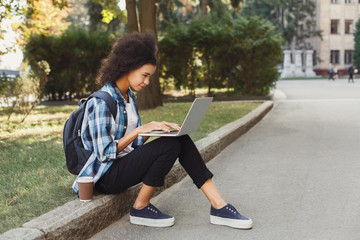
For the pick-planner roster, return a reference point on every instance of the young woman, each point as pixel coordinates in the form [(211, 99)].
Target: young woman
[(120, 159)]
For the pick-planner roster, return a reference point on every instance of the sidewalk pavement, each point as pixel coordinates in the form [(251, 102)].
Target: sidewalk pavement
[(79, 220)]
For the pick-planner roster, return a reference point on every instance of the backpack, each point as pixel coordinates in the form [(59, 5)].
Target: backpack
[(75, 153)]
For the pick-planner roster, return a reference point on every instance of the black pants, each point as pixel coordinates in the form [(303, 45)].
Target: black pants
[(351, 77), (151, 162)]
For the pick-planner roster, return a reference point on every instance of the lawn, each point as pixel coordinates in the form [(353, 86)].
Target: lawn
[(33, 174)]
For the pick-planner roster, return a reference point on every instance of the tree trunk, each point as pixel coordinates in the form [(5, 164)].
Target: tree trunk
[(132, 16), (148, 16), (150, 97), (204, 4), (208, 77), (192, 75)]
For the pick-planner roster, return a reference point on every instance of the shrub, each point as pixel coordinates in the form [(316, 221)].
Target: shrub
[(259, 50), (240, 53), (74, 58)]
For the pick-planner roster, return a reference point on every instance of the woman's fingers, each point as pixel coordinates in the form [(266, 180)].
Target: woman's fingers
[(172, 125), (163, 126)]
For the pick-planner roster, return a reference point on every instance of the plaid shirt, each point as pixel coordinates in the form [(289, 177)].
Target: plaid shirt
[(100, 133)]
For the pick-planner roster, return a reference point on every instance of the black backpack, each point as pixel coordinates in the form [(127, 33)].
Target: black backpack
[(75, 153)]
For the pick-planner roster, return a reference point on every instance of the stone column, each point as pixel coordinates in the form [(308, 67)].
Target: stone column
[(309, 72), (287, 64), (298, 64)]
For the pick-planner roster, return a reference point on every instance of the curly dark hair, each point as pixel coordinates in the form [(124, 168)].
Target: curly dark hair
[(129, 52)]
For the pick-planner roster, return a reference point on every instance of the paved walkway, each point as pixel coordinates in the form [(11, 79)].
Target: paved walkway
[(296, 174)]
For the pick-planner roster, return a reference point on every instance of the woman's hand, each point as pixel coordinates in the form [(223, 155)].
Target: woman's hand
[(162, 126)]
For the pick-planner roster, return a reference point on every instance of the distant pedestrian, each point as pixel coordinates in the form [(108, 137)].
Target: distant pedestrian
[(120, 158), (331, 72), (351, 73), (336, 73)]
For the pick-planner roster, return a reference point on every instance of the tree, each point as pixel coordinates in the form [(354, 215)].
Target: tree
[(105, 15), (150, 97), (74, 58), (177, 57), (144, 20), (357, 45), (78, 14), (8, 9), (259, 50), (42, 17), (169, 12), (203, 32), (27, 89), (203, 6), (217, 6), (250, 43), (293, 18)]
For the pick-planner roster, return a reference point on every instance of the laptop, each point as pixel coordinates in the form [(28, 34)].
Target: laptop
[(191, 122)]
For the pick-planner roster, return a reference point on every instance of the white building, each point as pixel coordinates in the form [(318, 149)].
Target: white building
[(337, 20)]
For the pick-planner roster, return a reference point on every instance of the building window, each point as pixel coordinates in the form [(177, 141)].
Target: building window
[(334, 56), (349, 56), (334, 26), (337, 1), (348, 26), (349, 1)]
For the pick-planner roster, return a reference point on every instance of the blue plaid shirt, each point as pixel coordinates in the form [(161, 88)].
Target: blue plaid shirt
[(100, 133)]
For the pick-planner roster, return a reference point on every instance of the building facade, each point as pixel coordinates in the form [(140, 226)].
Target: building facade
[(337, 20)]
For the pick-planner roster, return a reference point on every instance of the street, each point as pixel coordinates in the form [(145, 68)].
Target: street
[(296, 173)]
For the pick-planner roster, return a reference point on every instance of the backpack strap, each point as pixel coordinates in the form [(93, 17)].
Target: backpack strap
[(110, 102)]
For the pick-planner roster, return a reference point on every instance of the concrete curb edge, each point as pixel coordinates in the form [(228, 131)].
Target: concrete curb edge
[(78, 220)]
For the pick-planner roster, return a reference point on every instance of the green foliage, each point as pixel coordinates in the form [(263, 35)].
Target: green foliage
[(6, 85), (239, 53), (105, 15), (42, 17), (74, 59), (24, 92), (177, 56), (259, 50), (294, 19), (34, 19), (218, 8), (206, 34), (8, 9), (357, 45), (236, 3)]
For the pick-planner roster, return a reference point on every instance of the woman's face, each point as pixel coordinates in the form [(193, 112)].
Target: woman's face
[(140, 78)]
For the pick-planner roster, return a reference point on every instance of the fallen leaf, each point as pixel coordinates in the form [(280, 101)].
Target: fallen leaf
[(13, 200)]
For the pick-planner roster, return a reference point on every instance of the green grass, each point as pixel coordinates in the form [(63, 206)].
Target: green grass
[(33, 174), (218, 114)]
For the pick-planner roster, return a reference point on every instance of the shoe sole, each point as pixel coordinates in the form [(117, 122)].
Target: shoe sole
[(234, 223), (168, 222)]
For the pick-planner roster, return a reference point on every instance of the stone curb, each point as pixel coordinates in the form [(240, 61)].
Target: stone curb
[(81, 220)]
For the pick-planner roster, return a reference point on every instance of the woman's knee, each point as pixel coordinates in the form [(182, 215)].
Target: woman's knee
[(185, 138), (172, 145)]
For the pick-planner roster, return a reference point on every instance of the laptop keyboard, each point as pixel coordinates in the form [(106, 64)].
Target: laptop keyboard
[(163, 132)]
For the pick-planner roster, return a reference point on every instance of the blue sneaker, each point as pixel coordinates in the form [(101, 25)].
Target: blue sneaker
[(150, 216), (229, 216)]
